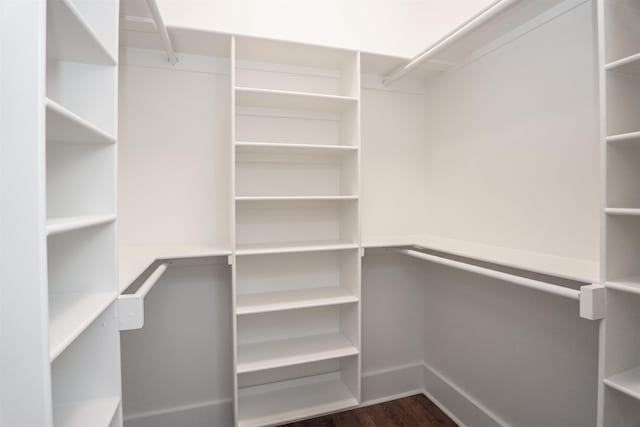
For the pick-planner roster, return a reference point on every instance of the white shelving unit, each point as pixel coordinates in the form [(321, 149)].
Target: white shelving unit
[(81, 129), (295, 206), (620, 67)]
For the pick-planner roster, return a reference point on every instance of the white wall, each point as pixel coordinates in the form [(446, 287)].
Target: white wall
[(409, 25)]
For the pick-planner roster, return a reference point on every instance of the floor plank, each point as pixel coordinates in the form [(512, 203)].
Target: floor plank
[(412, 411)]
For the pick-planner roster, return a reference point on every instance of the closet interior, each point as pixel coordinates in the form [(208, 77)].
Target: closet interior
[(243, 231)]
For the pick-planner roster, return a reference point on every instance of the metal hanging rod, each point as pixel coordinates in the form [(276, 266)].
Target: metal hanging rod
[(470, 25), (512, 278), (162, 30)]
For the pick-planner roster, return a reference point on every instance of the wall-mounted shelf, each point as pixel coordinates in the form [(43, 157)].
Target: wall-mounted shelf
[(270, 148), (70, 314), (627, 382), (267, 98), (63, 225), (95, 413), (292, 400), (71, 38), (290, 300), (293, 351), (66, 126), (294, 247)]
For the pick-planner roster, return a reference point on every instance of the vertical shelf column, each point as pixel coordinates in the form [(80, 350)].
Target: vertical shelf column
[(296, 220)]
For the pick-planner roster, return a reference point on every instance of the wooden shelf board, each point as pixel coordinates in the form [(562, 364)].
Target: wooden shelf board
[(293, 400), (65, 126), (134, 260), (289, 300), (294, 351), (293, 247), (94, 413), (629, 64), (70, 314), (630, 284), (622, 211), (71, 38), (268, 98), (625, 137), (563, 267), (268, 148), (62, 225), (291, 198), (627, 382)]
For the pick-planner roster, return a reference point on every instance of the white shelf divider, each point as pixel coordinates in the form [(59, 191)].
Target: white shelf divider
[(269, 98), (627, 382), (66, 126), (71, 38), (94, 413), (293, 351), (291, 300), (276, 403), (70, 314), (63, 225)]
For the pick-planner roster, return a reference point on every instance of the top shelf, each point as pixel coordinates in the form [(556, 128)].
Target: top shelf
[(268, 98), (71, 38)]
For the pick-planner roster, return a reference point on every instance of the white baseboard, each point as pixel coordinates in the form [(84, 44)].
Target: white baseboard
[(392, 383), (213, 413)]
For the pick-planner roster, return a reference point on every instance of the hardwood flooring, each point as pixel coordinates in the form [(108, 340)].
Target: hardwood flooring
[(412, 411)]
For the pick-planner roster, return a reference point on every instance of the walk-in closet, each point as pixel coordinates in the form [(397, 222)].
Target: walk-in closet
[(343, 213)]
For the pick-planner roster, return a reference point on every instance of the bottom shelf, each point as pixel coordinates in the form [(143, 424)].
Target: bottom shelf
[(293, 400), (95, 412), (627, 382)]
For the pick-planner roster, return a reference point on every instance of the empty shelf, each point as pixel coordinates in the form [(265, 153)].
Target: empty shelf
[(95, 413), (267, 98), (268, 148), (630, 64), (622, 211), (292, 198), (293, 400), (70, 314), (71, 38), (61, 225), (627, 382), (290, 300), (293, 351), (65, 126), (283, 248), (631, 284), (625, 137)]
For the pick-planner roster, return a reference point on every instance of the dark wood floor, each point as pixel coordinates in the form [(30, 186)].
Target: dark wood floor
[(413, 411)]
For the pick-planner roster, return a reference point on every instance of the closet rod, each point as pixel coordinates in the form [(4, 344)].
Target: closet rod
[(461, 31), (162, 30), (522, 281), (151, 281)]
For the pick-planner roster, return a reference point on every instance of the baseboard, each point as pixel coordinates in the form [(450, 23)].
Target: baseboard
[(462, 408), (392, 383), (213, 413)]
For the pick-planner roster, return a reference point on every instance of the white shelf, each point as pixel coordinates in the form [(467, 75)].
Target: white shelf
[(71, 38), (94, 413), (291, 198), (625, 137), (134, 260), (293, 400), (271, 148), (65, 126), (627, 382), (630, 284), (630, 64), (290, 300), (70, 314), (293, 247), (268, 98), (622, 211), (294, 351), (62, 225)]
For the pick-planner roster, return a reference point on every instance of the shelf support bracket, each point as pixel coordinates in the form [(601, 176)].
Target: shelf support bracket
[(593, 305)]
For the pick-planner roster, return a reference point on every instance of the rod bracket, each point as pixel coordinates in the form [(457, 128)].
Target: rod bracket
[(593, 304)]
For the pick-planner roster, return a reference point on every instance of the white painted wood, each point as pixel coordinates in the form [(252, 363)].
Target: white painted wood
[(292, 400), (593, 304), (630, 64), (292, 300), (131, 306), (65, 126), (627, 382), (294, 351), (631, 137), (267, 148), (96, 412), (63, 225), (294, 247), (622, 36), (271, 98)]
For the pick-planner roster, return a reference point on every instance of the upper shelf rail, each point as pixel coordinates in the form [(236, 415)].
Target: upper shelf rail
[(522, 281), (485, 15)]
